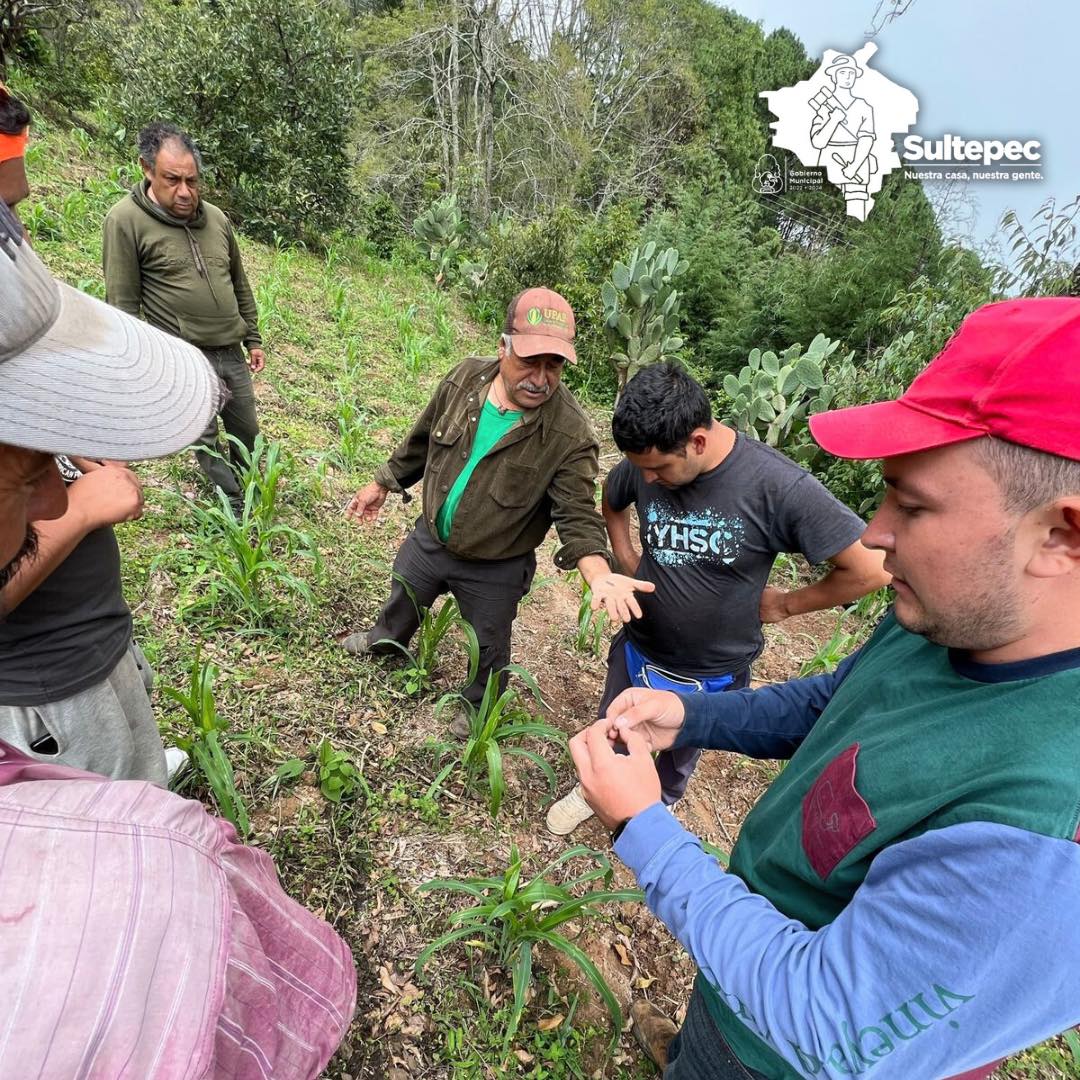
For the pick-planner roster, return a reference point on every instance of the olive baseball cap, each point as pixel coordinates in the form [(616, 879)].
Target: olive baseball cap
[(80, 377), (540, 321)]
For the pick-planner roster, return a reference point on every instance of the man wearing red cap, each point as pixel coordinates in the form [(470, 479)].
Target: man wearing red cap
[(504, 451), (906, 896)]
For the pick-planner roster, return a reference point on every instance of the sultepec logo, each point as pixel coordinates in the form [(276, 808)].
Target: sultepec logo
[(843, 118)]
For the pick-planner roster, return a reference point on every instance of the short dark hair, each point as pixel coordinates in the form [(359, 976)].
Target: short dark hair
[(155, 135), (659, 409), (14, 115)]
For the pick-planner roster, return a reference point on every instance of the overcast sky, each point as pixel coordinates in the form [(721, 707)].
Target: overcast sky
[(980, 69)]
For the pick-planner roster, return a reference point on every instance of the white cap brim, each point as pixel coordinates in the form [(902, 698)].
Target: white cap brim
[(102, 384)]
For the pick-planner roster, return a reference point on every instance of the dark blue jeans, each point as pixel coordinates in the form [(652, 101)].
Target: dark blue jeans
[(700, 1052)]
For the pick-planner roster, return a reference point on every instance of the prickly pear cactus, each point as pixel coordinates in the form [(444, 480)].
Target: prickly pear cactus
[(772, 397), (442, 229), (641, 309)]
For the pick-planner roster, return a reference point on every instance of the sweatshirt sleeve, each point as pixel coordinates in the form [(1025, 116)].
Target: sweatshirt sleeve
[(120, 261), (245, 298), (408, 462), (958, 949), (769, 722)]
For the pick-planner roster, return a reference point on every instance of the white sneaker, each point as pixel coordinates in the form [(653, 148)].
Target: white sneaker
[(568, 813), (175, 760)]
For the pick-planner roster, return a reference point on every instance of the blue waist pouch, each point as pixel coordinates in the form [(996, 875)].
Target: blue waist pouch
[(643, 672)]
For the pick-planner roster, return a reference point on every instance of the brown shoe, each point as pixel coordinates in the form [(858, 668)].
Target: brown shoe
[(653, 1031)]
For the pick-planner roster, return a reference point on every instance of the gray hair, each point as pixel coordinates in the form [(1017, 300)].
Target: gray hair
[(1027, 478), (154, 136)]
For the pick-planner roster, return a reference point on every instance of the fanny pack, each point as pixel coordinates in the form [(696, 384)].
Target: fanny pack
[(643, 672)]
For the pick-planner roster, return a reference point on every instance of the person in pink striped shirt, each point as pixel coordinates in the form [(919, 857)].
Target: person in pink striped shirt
[(138, 938)]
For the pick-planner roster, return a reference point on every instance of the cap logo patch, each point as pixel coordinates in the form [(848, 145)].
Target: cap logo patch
[(549, 316)]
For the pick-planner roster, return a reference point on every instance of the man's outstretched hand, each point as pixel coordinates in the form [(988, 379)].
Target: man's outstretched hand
[(366, 503), (616, 786), (615, 594), (657, 716)]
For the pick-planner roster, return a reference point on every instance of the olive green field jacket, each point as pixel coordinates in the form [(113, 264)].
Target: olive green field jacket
[(542, 471)]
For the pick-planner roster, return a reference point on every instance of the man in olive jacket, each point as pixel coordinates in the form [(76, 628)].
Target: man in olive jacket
[(172, 257), (504, 451)]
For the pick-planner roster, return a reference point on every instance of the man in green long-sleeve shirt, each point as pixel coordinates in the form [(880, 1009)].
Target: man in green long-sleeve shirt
[(172, 258)]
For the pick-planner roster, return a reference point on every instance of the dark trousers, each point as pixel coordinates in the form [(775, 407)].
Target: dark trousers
[(675, 767), (238, 416), (487, 592), (700, 1052)]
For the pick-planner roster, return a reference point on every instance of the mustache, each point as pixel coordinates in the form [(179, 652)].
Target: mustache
[(526, 385), (27, 551)]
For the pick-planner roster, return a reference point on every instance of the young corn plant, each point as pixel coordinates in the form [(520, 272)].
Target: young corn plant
[(246, 558), (512, 916), (203, 743), (868, 612), (495, 726), (590, 625), (340, 308), (345, 456), (418, 675)]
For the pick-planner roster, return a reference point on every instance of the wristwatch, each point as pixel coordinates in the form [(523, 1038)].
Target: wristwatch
[(617, 831)]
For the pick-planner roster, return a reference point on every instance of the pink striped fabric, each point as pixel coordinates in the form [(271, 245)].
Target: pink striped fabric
[(139, 939)]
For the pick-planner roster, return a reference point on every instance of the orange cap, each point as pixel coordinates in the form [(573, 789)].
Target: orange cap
[(540, 321)]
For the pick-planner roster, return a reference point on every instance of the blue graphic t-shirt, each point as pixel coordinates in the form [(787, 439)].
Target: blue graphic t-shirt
[(709, 547)]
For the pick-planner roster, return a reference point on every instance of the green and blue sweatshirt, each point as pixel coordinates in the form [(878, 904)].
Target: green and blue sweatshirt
[(905, 899)]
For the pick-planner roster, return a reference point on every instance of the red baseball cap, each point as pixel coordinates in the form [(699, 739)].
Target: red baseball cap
[(540, 321), (1012, 370)]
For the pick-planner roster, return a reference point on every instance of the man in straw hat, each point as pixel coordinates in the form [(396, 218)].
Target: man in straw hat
[(905, 898), (137, 937)]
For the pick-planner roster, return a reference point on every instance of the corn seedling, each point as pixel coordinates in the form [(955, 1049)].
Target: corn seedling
[(498, 721), (444, 325), (203, 744), (351, 439), (511, 917), (275, 314), (590, 625), (42, 223), (786, 568), (415, 353), (245, 558), (868, 611), (418, 675), (352, 360), (340, 308)]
